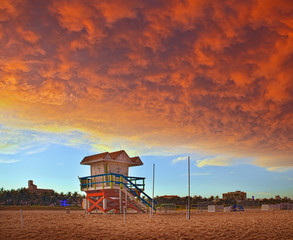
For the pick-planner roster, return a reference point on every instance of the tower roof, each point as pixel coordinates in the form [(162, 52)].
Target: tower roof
[(115, 155), (118, 156)]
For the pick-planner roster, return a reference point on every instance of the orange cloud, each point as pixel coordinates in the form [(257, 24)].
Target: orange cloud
[(195, 76)]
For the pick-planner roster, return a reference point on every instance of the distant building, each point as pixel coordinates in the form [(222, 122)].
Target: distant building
[(169, 196), (34, 189), (234, 195)]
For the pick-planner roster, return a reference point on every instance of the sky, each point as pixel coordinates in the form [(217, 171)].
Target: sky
[(163, 80)]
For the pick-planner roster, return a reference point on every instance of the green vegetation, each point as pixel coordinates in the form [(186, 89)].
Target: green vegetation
[(198, 200), (22, 197), (36, 207)]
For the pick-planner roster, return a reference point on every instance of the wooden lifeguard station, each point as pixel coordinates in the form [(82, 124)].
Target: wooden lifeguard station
[(109, 188)]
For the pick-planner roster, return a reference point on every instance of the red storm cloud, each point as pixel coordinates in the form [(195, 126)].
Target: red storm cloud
[(209, 75)]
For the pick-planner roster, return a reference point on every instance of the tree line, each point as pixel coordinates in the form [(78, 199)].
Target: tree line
[(196, 200), (23, 196)]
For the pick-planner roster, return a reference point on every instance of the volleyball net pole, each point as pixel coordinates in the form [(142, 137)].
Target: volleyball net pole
[(188, 188), (153, 189)]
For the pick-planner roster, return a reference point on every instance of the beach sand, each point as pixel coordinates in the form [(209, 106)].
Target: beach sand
[(203, 225)]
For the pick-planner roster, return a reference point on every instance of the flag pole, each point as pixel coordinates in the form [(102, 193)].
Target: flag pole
[(153, 189), (188, 188)]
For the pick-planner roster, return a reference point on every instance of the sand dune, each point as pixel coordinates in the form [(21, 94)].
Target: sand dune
[(203, 225)]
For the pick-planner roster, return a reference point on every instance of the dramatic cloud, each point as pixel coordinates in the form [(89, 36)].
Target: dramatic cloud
[(179, 159), (216, 161), (204, 77)]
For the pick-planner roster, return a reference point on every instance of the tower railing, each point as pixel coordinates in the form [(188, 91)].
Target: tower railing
[(135, 185)]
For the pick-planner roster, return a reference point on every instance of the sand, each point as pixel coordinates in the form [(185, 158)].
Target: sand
[(203, 225)]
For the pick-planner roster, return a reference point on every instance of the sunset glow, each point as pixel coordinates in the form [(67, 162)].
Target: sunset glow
[(168, 79)]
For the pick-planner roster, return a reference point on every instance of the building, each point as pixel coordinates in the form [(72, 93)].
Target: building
[(165, 199), (32, 188), (109, 188), (237, 195), (169, 196)]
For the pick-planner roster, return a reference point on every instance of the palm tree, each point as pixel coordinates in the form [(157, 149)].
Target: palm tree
[(75, 198)]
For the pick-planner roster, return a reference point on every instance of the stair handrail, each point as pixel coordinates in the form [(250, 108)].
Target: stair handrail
[(140, 191), (126, 178), (144, 201)]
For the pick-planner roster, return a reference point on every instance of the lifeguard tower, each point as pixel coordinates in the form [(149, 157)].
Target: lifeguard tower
[(109, 188)]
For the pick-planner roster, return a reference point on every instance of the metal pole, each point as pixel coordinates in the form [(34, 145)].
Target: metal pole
[(188, 188), (153, 189)]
